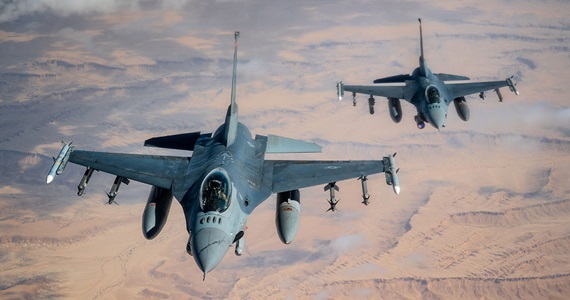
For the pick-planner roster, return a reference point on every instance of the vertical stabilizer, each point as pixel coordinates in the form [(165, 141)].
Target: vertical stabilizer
[(421, 42), (423, 66), (230, 130)]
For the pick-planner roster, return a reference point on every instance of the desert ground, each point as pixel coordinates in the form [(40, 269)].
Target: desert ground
[(483, 212)]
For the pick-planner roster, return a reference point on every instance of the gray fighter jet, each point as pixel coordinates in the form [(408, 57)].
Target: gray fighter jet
[(430, 93), (223, 181)]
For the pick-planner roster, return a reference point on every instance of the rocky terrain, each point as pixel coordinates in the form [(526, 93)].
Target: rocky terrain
[(483, 212)]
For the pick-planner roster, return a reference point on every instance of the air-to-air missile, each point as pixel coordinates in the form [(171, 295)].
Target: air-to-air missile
[(365, 195), (331, 187), (512, 86), (391, 173), (84, 181), (339, 90), (60, 162), (115, 188), (499, 95)]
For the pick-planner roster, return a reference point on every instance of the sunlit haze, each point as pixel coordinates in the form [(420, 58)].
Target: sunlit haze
[(484, 204)]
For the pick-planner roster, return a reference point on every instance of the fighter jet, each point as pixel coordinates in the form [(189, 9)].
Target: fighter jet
[(431, 93), (221, 183)]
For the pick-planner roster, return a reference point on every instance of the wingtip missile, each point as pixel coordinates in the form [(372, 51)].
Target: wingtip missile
[(512, 86), (394, 172), (391, 173), (339, 90), (60, 162)]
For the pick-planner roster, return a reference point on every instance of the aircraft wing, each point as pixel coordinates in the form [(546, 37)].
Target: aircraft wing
[(464, 89), (155, 170), (388, 91), (291, 175)]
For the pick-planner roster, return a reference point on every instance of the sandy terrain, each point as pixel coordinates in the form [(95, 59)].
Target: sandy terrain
[(490, 231), (483, 212)]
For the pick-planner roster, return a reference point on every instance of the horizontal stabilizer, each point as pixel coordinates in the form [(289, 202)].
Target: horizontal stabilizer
[(279, 144), (394, 79), (184, 141), (450, 77)]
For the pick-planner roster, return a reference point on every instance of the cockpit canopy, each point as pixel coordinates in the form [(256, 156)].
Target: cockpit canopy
[(215, 192), (432, 95)]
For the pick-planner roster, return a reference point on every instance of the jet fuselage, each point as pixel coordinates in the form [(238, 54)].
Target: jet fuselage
[(213, 228), (432, 98)]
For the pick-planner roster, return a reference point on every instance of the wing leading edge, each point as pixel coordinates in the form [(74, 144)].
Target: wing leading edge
[(291, 175), (468, 88), (388, 91), (160, 171)]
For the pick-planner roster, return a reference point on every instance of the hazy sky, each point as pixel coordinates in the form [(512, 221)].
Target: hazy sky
[(109, 74), (173, 58)]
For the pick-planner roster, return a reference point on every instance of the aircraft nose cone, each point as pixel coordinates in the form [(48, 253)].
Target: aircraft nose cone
[(437, 117), (210, 246)]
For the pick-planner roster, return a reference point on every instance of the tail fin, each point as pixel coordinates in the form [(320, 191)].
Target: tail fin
[(423, 66), (231, 124)]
